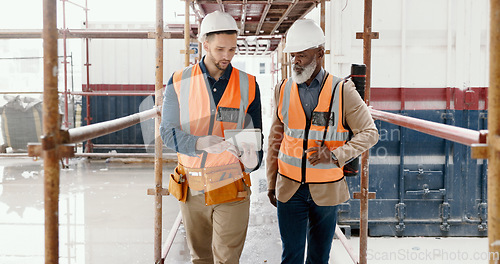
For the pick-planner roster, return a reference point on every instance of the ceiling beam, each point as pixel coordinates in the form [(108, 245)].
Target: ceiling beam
[(198, 11), (290, 7), (263, 16), (309, 9), (231, 2), (221, 5)]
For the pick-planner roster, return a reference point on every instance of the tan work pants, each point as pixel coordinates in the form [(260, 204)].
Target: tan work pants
[(215, 233)]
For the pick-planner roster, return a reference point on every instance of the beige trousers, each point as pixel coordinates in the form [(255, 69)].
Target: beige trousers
[(215, 233)]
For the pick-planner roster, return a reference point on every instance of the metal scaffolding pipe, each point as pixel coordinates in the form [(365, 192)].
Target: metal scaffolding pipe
[(92, 34), (88, 118), (171, 236), (186, 34), (21, 92), (166, 156), (347, 246), (367, 47), (284, 57), (200, 46), (494, 136), (322, 24), (363, 202), (80, 134), (117, 93), (122, 146), (158, 141), (65, 62), (456, 134), (51, 126)]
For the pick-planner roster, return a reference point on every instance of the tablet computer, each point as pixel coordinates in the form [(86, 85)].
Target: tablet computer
[(250, 136)]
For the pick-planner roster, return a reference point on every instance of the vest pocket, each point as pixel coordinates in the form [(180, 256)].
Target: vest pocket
[(319, 118), (228, 114)]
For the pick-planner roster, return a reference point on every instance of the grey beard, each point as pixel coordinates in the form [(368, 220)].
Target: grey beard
[(306, 73)]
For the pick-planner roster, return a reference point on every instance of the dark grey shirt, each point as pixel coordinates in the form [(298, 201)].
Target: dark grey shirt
[(309, 95)]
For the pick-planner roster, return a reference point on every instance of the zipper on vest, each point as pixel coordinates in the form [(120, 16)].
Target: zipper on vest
[(304, 147)]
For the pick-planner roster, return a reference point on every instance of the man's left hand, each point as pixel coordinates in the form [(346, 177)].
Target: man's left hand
[(320, 154), (249, 156)]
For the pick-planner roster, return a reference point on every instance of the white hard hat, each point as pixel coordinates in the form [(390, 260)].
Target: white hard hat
[(303, 35), (216, 21)]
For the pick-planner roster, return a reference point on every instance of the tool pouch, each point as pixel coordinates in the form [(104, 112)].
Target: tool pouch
[(232, 192), (178, 186), (222, 184)]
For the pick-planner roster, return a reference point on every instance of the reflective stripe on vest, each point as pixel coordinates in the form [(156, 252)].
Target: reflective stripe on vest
[(291, 114), (200, 116)]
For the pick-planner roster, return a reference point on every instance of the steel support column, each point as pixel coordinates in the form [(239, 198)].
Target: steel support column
[(494, 136), (158, 140), (51, 126)]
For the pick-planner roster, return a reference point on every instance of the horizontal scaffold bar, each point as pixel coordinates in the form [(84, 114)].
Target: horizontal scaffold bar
[(80, 134), (456, 134), (93, 34)]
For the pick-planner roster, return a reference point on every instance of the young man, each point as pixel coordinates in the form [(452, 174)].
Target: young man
[(305, 177), (201, 102)]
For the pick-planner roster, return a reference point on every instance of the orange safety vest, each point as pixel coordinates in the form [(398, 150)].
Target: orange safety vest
[(301, 134), (220, 175), (200, 116)]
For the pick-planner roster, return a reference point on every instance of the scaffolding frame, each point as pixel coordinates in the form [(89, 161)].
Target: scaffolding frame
[(55, 142)]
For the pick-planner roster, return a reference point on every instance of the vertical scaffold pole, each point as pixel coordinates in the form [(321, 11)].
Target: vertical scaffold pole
[(494, 136), (322, 23), (158, 140), (186, 34), (364, 184), (65, 62), (200, 46), (284, 66), (51, 126), (88, 118)]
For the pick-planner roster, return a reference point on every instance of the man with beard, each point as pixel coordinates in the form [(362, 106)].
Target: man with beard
[(307, 147), (201, 102)]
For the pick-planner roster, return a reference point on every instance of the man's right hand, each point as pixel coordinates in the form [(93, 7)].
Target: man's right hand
[(272, 197), (215, 145)]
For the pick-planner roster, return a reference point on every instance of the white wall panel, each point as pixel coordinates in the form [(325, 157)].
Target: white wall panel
[(423, 43), (130, 61)]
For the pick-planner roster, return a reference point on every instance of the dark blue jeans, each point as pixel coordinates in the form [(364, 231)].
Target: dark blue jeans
[(301, 218)]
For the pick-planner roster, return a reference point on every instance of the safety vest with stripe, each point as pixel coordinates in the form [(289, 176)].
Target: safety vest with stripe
[(200, 116), (301, 133)]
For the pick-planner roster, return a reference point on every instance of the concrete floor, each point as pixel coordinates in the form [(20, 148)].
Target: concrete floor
[(106, 217)]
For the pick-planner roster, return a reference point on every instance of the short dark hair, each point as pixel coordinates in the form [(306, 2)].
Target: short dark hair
[(227, 32)]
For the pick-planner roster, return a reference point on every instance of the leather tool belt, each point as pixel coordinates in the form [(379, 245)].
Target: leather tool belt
[(221, 184)]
